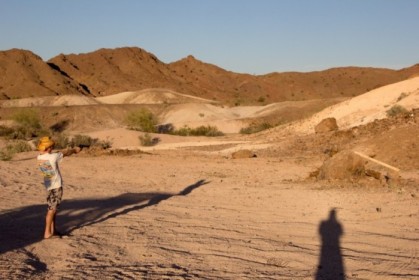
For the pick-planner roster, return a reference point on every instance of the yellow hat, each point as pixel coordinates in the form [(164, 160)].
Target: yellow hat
[(45, 143)]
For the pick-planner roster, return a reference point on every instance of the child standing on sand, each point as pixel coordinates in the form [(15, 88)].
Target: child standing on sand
[(48, 164)]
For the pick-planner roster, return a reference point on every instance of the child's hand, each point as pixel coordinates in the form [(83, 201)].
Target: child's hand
[(69, 151)]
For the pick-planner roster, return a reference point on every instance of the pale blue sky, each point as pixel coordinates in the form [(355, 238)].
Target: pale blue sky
[(245, 36)]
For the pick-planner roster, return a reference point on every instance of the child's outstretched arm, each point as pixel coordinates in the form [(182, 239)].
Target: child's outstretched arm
[(69, 151)]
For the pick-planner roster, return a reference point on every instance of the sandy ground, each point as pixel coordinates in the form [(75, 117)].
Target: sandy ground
[(179, 215), (185, 209)]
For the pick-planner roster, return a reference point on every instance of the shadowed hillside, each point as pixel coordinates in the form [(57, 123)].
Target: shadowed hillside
[(110, 71), (24, 74)]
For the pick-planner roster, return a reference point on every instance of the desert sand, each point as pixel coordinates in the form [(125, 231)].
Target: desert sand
[(185, 209), (367, 107)]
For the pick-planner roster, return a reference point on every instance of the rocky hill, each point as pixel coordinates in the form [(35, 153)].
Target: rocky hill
[(24, 74), (110, 71)]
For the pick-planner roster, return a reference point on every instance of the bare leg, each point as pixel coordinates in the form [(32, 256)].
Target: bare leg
[(53, 230), (50, 223)]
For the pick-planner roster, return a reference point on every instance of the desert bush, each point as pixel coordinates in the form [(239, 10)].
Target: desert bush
[(85, 141), (22, 133), (14, 147), (402, 95), (202, 130), (253, 128), (61, 141), (28, 125), (396, 110), (147, 140), (19, 146), (142, 120), (104, 144), (183, 131), (82, 141), (164, 128), (208, 130), (27, 118), (5, 155), (5, 131)]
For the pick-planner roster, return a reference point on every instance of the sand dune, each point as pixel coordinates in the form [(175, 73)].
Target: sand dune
[(151, 96), (232, 119), (148, 96), (208, 112), (192, 111), (367, 107), (50, 101)]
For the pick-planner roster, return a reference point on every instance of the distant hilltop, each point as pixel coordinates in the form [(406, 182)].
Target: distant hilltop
[(109, 71)]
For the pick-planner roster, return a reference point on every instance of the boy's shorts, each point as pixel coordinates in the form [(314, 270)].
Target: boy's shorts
[(54, 197)]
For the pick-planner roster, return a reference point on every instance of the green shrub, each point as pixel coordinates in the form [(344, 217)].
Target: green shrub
[(261, 99), (147, 140), (14, 147), (19, 146), (210, 131), (83, 141), (28, 125), (22, 133), (61, 141), (5, 131), (183, 131), (396, 110), (27, 118), (142, 120), (104, 144), (5, 155), (253, 128), (402, 95)]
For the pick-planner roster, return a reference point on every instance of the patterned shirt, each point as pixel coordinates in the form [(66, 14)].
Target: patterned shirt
[(48, 165)]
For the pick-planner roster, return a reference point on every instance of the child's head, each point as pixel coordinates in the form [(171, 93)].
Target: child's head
[(45, 143)]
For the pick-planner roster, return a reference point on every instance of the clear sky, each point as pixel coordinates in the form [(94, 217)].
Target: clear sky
[(245, 36)]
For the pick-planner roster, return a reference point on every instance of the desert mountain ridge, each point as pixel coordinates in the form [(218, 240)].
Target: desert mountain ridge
[(110, 71)]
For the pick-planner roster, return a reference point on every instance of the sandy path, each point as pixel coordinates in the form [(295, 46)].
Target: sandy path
[(176, 215)]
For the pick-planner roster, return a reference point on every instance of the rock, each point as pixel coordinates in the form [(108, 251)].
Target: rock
[(243, 154), (343, 165), (326, 125)]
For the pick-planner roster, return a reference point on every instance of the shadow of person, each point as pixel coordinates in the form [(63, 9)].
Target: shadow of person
[(92, 213), (331, 261), (24, 226), (21, 227)]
